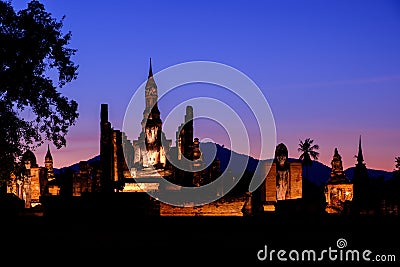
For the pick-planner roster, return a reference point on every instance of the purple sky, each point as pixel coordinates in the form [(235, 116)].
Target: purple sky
[(330, 70)]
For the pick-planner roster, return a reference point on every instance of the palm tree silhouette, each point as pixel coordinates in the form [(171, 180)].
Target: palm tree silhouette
[(397, 160), (308, 151)]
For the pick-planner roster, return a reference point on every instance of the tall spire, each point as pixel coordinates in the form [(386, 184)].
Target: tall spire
[(151, 111), (150, 70), (360, 158), (48, 164), (48, 154)]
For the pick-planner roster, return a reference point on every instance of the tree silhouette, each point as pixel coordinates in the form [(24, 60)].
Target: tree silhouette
[(397, 160), (35, 62), (308, 152)]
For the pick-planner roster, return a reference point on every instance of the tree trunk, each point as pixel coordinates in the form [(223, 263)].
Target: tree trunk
[(307, 171)]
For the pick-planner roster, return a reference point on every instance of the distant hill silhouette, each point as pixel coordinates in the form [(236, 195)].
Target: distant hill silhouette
[(75, 167), (318, 173), (373, 174), (224, 154)]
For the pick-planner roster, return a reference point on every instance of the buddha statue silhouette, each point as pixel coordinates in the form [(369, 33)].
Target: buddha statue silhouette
[(282, 172)]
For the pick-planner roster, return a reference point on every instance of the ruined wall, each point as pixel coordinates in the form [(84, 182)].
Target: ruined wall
[(296, 180), (81, 181), (36, 174), (268, 190), (227, 206)]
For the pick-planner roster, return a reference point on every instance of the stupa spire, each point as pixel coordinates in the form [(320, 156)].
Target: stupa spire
[(150, 70), (48, 154), (360, 158)]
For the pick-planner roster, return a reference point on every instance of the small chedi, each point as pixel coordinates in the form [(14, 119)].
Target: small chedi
[(338, 189)]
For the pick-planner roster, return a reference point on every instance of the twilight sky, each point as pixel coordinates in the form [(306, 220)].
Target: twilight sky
[(330, 70)]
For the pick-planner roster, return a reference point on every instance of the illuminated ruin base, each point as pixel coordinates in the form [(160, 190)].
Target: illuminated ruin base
[(226, 206), (338, 189), (337, 195), (140, 187), (269, 187)]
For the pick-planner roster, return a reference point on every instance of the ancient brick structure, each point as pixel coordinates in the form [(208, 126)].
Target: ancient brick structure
[(146, 157), (149, 150), (81, 181), (184, 136), (338, 189), (225, 206), (137, 166), (48, 164), (114, 168), (31, 181), (283, 180), (189, 167)]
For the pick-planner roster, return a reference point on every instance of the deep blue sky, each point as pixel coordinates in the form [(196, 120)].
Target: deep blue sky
[(330, 70)]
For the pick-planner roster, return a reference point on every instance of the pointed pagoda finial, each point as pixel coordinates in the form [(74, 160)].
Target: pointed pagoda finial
[(150, 70), (336, 153), (360, 158), (48, 154)]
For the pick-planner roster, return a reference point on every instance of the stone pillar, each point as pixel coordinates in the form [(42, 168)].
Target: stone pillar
[(105, 150)]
